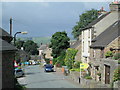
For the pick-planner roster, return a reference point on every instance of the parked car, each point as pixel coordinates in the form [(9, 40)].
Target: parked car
[(19, 73), (48, 68)]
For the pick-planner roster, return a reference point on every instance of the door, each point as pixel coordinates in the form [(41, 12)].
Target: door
[(107, 74)]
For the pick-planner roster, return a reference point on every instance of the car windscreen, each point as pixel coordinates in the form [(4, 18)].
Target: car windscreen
[(48, 66), (19, 71)]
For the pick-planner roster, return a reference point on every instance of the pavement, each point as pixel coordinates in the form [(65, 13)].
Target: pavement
[(35, 77)]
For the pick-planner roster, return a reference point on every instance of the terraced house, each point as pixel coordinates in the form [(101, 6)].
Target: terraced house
[(101, 67), (98, 26)]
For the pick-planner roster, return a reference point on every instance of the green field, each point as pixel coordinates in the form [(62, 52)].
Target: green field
[(38, 40)]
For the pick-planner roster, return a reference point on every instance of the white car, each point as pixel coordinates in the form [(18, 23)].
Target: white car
[(19, 73)]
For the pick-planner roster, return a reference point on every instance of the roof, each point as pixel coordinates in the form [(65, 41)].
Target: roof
[(106, 37), (5, 36), (43, 47), (5, 46), (95, 21), (77, 43)]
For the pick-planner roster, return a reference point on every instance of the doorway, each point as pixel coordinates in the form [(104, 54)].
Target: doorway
[(107, 74)]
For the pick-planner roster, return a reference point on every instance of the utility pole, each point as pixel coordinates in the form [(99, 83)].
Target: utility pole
[(11, 26)]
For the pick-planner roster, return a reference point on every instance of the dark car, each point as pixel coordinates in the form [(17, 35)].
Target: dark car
[(48, 68)]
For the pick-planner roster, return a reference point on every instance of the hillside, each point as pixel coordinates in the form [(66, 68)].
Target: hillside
[(38, 40)]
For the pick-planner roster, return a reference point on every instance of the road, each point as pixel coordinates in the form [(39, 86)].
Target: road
[(35, 77)]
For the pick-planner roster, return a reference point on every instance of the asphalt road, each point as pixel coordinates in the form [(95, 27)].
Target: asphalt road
[(35, 77)]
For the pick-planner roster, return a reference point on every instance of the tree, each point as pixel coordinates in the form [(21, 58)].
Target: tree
[(69, 58), (60, 60), (59, 43), (19, 43), (84, 20), (30, 47)]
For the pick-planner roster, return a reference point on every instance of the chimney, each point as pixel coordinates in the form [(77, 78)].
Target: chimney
[(11, 26), (115, 6)]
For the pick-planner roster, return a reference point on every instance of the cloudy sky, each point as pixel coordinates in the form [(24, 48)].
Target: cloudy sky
[(42, 19)]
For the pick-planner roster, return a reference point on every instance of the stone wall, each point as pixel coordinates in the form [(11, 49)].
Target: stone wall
[(113, 65), (74, 75)]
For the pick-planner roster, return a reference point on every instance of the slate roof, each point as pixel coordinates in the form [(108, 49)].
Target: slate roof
[(77, 43), (5, 36), (43, 47), (95, 21), (110, 34), (5, 46)]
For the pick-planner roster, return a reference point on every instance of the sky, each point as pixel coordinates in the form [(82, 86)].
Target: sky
[(43, 19)]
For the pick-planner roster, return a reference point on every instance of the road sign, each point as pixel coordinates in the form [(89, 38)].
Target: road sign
[(84, 66)]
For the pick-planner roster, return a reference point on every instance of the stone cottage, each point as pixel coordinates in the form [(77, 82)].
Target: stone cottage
[(102, 68), (96, 28), (7, 54), (77, 46)]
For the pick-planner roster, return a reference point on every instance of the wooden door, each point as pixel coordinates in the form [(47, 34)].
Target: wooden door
[(107, 74)]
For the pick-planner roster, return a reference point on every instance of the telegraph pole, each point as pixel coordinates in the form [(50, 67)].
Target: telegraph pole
[(11, 26)]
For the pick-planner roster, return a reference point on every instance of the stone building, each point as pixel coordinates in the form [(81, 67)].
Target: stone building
[(7, 54), (45, 52), (96, 28), (77, 46), (107, 41), (41, 48)]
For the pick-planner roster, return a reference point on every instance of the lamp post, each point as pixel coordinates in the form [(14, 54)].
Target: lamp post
[(18, 33)]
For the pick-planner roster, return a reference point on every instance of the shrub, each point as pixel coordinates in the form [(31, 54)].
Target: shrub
[(77, 64), (118, 61), (54, 61), (116, 56), (87, 76), (69, 58), (116, 76), (47, 60), (109, 54), (99, 74), (59, 61)]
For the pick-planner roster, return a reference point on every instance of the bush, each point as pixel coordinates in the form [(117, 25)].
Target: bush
[(77, 64), (118, 61), (87, 76), (116, 56), (47, 60), (69, 58), (59, 61), (116, 76), (109, 54), (54, 61)]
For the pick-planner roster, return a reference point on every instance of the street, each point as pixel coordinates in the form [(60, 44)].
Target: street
[(35, 77)]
